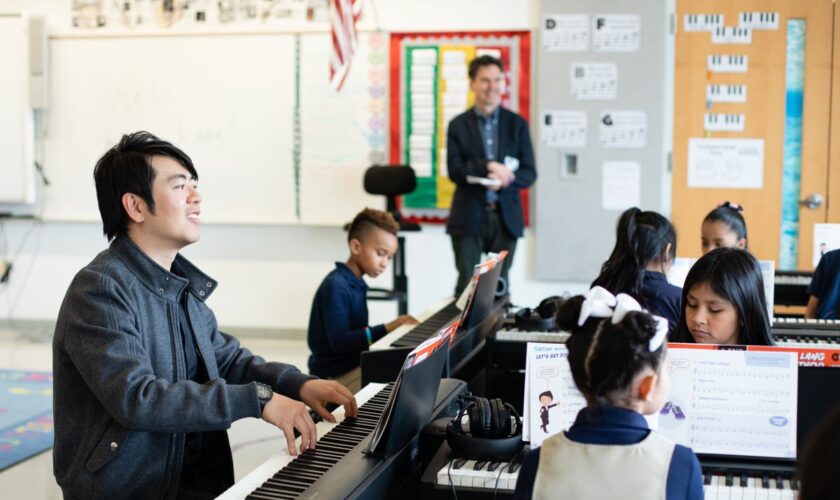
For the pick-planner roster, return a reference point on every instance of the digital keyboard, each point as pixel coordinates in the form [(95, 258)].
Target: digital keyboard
[(790, 288), (385, 358), (337, 467), (438, 311), (800, 332), (470, 478)]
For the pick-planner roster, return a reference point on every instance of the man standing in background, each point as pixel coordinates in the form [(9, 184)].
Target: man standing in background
[(493, 143)]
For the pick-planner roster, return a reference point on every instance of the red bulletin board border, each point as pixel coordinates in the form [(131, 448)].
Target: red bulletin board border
[(395, 93)]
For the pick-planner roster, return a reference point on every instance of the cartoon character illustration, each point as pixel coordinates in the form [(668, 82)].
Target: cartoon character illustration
[(546, 398)]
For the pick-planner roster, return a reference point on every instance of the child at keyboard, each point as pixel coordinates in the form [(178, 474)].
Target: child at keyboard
[(619, 362), (338, 322), (724, 227), (645, 246), (824, 290), (723, 301)]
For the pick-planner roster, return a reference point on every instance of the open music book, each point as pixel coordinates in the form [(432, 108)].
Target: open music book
[(412, 400), (724, 400)]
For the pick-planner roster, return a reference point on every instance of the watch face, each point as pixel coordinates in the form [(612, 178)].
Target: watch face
[(264, 392)]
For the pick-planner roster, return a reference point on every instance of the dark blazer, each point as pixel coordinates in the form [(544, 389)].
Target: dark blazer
[(465, 156)]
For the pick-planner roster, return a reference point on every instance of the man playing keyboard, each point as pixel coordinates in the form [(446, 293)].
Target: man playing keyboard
[(145, 382)]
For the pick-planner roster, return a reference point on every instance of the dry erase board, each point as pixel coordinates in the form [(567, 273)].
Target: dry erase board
[(16, 168), (272, 141)]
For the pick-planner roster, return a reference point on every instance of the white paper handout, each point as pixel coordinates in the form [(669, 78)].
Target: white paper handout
[(768, 273), (623, 129), (563, 129), (826, 239), (594, 81), (732, 402), (726, 163), (566, 33), (622, 185), (616, 32)]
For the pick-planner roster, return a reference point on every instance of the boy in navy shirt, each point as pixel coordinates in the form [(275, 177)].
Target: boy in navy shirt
[(338, 324), (824, 289)]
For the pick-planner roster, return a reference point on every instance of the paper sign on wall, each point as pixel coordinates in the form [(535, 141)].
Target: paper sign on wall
[(616, 32), (826, 239), (621, 186), (563, 129), (623, 129), (702, 22), (594, 81), (567, 33), (726, 163)]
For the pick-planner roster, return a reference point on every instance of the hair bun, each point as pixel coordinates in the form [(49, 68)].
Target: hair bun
[(568, 313), (733, 206)]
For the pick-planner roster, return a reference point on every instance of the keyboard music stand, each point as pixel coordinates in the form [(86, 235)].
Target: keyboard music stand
[(392, 181)]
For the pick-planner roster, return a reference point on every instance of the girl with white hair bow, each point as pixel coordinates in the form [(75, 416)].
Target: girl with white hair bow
[(618, 359)]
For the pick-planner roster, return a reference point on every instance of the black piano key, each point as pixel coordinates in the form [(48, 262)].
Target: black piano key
[(262, 495), (515, 465), (707, 478), (780, 483), (744, 480), (765, 481), (794, 484), (479, 465), (493, 466), (729, 479), (459, 463)]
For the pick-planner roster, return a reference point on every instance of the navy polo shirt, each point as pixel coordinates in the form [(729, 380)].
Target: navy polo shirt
[(826, 285), (337, 323), (662, 298), (619, 426)]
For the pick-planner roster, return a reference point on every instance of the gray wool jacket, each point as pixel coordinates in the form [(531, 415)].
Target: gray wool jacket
[(122, 400)]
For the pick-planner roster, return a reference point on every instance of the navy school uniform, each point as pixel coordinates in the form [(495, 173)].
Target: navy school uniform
[(662, 298), (826, 285), (337, 324), (617, 426)]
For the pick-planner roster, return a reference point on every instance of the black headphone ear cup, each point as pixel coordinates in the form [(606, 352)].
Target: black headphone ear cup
[(475, 419), (486, 416), (504, 415), (495, 423)]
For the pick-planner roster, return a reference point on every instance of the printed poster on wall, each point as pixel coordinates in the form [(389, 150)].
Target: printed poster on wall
[(565, 33), (826, 239), (563, 129), (726, 163)]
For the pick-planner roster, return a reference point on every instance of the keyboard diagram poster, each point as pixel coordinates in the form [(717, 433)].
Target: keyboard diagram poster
[(732, 402)]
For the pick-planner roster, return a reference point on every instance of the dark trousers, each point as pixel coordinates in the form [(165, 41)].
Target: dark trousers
[(492, 237)]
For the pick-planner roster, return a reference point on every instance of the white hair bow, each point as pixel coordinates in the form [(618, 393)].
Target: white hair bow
[(600, 303), (661, 333)]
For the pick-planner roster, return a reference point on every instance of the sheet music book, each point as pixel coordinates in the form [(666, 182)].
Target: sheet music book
[(412, 399), (732, 402), (724, 400)]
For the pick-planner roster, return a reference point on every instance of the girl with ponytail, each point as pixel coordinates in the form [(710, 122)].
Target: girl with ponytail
[(645, 247)]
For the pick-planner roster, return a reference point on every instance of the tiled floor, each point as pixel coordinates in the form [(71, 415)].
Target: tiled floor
[(252, 440)]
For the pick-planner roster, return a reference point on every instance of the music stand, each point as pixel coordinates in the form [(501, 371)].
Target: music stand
[(392, 181)]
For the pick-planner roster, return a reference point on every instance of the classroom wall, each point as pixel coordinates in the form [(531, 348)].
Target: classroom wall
[(269, 273)]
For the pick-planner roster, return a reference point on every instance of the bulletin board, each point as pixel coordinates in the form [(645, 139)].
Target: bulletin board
[(604, 104), (272, 141), (429, 86)]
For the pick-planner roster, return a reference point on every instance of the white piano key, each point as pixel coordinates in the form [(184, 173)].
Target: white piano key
[(761, 493), (750, 491), (724, 491), (737, 491), (442, 478), (787, 492)]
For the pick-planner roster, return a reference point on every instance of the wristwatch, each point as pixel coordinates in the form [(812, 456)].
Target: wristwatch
[(265, 394)]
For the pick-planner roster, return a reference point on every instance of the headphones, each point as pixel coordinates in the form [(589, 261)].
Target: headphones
[(491, 435), (540, 319)]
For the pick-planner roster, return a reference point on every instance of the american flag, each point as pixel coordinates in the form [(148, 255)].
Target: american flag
[(343, 17)]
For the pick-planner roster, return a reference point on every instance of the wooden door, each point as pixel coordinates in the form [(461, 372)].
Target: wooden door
[(768, 113), (833, 174)]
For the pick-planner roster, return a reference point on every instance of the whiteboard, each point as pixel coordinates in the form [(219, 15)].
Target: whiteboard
[(16, 167), (341, 130)]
